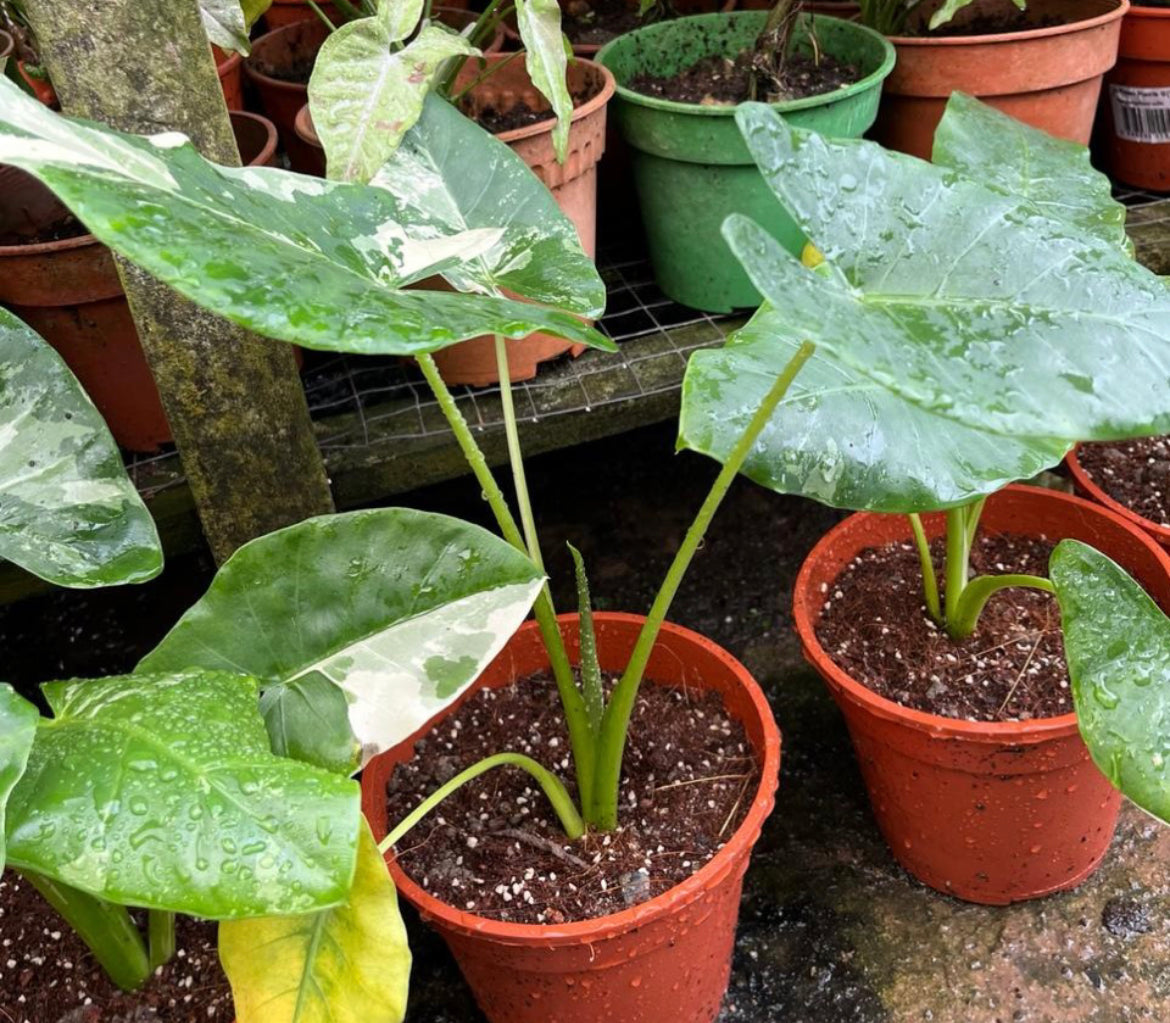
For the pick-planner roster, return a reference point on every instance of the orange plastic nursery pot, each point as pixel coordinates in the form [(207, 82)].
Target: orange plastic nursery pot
[(1085, 485), (1048, 77), (288, 12), (573, 185), (1136, 110), (993, 812), (230, 68), (666, 959)]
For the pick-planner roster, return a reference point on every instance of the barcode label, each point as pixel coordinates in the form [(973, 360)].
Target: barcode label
[(1141, 115)]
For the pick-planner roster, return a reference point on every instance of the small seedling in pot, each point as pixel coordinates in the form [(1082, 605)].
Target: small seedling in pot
[(891, 17)]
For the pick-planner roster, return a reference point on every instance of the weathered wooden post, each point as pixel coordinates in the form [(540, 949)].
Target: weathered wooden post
[(234, 401)]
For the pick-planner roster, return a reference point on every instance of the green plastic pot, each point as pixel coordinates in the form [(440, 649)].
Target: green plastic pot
[(691, 167)]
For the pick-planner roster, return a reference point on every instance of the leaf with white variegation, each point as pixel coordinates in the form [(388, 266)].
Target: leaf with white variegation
[(365, 94), (227, 22), (1053, 174), (18, 727), (345, 965), (401, 609), (181, 805), (316, 263), (839, 437), (450, 176), (68, 511), (962, 300), (539, 24), (1117, 644)]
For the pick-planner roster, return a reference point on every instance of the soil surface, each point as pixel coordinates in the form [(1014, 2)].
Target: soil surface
[(996, 24), (495, 847), (1012, 668), (1135, 473), (48, 975), (596, 23), (520, 114), (721, 81), (298, 71), (67, 227)]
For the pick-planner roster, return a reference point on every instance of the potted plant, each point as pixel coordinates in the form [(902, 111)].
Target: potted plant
[(1134, 109), (690, 165), (487, 233), (935, 384), (1041, 61), (1127, 478), (551, 113)]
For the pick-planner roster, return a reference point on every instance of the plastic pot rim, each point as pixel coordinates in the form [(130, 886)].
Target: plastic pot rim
[(865, 84), (1099, 495), (1096, 21)]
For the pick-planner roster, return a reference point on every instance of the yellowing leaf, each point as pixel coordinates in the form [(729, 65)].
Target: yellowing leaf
[(345, 965)]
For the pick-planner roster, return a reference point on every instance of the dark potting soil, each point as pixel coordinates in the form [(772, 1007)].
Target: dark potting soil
[(495, 847), (719, 81), (520, 115), (48, 975), (298, 72), (875, 627), (596, 23), (66, 227), (1135, 473), (997, 24)]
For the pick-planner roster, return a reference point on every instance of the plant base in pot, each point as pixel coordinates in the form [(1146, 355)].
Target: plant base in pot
[(992, 812), (667, 958), (691, 166), (1047, 73)]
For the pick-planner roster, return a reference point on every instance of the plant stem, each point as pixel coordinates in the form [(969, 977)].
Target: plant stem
[(324, 17), (490, 70), (974, 513), (956, 564), (106, 928), (516, 455), (557, 795), (602, 812), (572, 702), (929, 579), (966, 616), (160, 928)]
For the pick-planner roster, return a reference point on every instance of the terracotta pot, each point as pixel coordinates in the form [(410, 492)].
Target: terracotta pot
[(1047, 77), (230, 68), (668, 958), (1136, 111), (1085, 485), (69, 292), (573, 185), (991, 812), (289, 12)]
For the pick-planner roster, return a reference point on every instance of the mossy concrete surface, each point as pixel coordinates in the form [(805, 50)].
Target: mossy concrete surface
[(832, 930)]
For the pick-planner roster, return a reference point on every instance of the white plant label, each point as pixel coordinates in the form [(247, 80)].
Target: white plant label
[(1141, 115)]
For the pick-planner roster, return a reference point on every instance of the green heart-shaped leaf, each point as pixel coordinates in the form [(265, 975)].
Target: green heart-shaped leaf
[(68, 511), (350, 964), (18, 727), (400, 609), (450, 176), (161, 791), (316, 263), (1117, 644)]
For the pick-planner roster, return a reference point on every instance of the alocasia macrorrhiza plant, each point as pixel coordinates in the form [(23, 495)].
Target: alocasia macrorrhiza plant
[(974, 318)]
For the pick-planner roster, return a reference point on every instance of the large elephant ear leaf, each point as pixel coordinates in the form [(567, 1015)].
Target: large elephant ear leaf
[(350, 964), (450, 176), (1055, 175), (840, 437), (161, 791), (965, 301), (539, 22), (1117, 644), (400, 609), (18, 727), (242, 242), (68, 511), (366, 92)]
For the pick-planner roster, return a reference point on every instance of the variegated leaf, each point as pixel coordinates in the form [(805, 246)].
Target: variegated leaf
[(161, 791), (18, 727), (365, 94), (316, 263), (539, 22), (450, 176), (960, 299), (400, 609), (345, 965), (223, 21), (68, 511), (1053, 174)]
